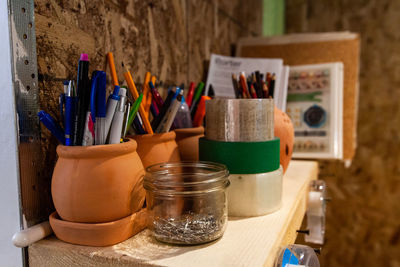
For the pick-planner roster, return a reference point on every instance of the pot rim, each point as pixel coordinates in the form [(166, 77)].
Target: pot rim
[(97, 151), (154, 138), (191, 131)]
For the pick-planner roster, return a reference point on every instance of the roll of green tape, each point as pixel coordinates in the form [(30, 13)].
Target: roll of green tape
[(242, 157)]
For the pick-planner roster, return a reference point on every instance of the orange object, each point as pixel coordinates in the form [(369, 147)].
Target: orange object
[(201, 111), (95, 184), (135, 94), (99, 234), (188, 142), (243, 84), (253, 92), (283, 128), (114, 77), (157, 148), (147, 93)]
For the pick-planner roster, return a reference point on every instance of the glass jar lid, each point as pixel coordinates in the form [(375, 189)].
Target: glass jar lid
[(186, 178)]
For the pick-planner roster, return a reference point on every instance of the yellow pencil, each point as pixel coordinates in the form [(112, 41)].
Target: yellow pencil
[(135, 94), (110, 60), (146, 93)]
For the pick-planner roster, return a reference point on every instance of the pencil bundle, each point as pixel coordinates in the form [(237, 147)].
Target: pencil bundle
[(173, 112), (254, 85), (89, 118)]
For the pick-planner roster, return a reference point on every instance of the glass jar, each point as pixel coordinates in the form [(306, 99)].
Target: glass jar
[(187, 201)]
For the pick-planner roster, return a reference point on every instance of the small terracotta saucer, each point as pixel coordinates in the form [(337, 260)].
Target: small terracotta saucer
[(98, 234)]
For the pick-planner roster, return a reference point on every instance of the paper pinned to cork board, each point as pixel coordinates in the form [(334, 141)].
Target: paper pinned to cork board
[(317, 48), (222, 67)]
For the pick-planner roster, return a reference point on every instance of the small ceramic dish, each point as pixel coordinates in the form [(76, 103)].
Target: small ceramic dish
[(98, 234)]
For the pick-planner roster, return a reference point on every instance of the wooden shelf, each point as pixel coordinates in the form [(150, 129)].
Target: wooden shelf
[(246, 242)]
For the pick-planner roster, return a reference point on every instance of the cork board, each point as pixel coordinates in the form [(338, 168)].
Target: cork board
[(346, 51)]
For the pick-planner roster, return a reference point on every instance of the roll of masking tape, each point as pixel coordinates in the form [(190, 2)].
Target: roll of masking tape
[(240, 120)]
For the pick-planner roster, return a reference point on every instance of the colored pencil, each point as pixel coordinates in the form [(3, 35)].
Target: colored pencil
[(114, 77), (135, 94)]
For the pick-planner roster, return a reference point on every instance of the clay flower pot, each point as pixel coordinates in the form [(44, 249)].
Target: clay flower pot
[(94, 184), (283, 128), (157, 148), (188, 142)]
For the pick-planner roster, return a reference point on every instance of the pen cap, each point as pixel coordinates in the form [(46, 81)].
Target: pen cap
[(115, 93), (101, 94), (122, 100), (122, 91)]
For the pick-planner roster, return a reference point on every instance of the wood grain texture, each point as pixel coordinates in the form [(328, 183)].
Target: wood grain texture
[(246, 242)]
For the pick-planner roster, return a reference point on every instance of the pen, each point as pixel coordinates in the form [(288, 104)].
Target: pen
[(182, 118), (169, 117), (127, 111), (156, 96), (61, 101), (100, 123), (198, 93), (118, 120), (111, 106), (190, 94), (89, 134), (52, 125), (69, 116), (133, 112), (201, 111), (83, 89), (156, 121)]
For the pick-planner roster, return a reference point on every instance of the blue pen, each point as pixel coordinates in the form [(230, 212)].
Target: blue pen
[(138, 126), (111, 106), (100, 124), (52, 125), (69, 114)]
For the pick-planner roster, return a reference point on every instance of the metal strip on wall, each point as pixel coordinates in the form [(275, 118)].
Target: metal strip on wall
[(25, 81)]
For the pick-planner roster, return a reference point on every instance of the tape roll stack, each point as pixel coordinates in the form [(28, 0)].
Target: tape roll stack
[(240, 134), (316, 208)]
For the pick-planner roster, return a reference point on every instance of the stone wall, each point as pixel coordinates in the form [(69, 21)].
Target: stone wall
[(363, 227), (172, 39)]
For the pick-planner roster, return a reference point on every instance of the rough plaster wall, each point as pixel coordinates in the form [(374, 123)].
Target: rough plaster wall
[(171, 38), (363, 226)]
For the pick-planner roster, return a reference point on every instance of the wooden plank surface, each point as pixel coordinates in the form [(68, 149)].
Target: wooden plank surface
[(246, 242)]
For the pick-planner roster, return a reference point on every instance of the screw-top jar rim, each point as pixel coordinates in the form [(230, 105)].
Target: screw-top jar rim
[(186, 178)]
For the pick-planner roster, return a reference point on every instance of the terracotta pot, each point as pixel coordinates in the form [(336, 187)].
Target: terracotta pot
[(188, 142), (96, 184), (157, 148), (98, 234), (283, 128)]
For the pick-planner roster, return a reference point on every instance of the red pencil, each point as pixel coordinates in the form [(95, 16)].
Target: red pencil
[(243, 83), (253, 92)]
